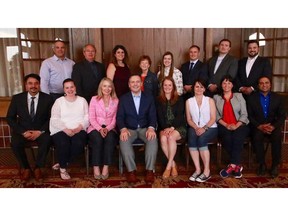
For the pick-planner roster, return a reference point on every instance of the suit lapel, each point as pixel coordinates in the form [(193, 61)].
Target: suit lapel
[(25, 102), (132, 105)]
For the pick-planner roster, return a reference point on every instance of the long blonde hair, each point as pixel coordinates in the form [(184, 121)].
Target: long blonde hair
[(99, 91)]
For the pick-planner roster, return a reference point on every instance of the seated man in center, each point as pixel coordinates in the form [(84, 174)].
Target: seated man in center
[(137, 118)]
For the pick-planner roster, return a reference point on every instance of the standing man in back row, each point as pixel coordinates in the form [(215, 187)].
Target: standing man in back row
[(251, 68), (88, 73), (55, 70), (221, 65), (193, 70)]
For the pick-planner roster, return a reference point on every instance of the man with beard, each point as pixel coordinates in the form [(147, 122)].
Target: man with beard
[(28, 117), (251, 68)]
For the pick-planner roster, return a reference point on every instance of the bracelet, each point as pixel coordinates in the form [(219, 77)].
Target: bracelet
[(205, 127)]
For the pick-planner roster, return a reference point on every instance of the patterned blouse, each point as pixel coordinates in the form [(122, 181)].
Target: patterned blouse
[(177, 77)]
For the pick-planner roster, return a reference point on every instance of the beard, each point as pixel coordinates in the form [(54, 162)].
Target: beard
[(252, 55)]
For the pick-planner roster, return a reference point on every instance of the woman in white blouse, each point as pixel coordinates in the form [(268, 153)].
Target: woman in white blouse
[(168, 69), (68, 124), (201, 119)]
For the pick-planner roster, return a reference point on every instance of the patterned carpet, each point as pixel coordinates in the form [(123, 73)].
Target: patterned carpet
[(9, 177)]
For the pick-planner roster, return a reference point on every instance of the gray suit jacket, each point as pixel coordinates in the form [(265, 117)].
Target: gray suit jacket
[(229, 65), (238, 104)]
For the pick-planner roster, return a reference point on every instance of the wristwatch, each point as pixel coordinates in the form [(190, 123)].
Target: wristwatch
[(206, 127)]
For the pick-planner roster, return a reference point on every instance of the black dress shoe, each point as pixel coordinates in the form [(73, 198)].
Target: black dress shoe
[(261, 170), (274, 171)]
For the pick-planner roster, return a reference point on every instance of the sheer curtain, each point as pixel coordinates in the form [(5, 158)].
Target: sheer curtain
[(10, 73)]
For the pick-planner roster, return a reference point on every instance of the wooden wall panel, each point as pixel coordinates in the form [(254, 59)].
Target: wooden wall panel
[(152, 42), (234, 35), (199, 40), (160, 46), (79, 37)]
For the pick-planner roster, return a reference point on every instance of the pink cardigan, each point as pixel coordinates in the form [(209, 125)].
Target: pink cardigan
[(98, 115)]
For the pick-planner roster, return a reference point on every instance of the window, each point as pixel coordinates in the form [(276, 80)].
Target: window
[(22, 52), (274, 46)]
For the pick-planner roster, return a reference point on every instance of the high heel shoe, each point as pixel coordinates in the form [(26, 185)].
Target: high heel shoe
[(174, 171), (166, 173)]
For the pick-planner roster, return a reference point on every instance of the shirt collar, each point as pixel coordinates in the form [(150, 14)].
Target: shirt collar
[(262, 95), (57, 59), (136, 96), (195, 61), (253, 58), (36, 96)]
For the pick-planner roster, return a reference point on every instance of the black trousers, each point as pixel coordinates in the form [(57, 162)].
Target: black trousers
[(18, 148), (258, 140), (102, 149), (69, 148)]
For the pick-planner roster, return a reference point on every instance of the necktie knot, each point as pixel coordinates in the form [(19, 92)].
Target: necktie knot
[(191, 66)]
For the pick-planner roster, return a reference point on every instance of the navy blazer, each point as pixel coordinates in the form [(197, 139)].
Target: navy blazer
[(128, 117), (18, 116), (199, 70), (86, 80), (276, 114), (229, 65), (261, 67)]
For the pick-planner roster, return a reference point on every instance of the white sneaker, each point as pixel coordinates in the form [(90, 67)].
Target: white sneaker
[(56, 166), (64, 174)]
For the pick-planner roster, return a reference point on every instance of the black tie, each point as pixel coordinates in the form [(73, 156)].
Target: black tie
[(94, 68), (32, 108), (191, 66)]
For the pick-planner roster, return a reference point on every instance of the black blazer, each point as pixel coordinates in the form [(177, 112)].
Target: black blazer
[(261, 67), (178, 111), (199, 70), (128, 117), (86, 80), (229, 65), (276, 114), (18, 116)]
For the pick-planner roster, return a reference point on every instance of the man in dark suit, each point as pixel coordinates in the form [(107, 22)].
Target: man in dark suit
[(28, 116), (137, 118), (88, 73), (266, 113), (192, 70), (251, 68), (221, 65)]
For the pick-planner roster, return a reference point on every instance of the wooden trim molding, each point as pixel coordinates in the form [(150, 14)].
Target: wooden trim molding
[(4, 104)]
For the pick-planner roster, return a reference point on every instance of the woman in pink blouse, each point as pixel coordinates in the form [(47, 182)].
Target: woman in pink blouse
[(101, 132)]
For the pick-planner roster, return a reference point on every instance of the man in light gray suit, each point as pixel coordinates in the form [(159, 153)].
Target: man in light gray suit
[(221, 65)]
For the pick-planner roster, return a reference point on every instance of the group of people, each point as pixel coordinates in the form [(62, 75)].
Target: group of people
[(102, 108)]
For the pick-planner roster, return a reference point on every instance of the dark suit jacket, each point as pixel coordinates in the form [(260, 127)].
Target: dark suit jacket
[(128, 117), (178, 111), (199, 71), (86, 80), (18, 116), (150, 84), (229, 65), (261, 67), (276, 113)]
